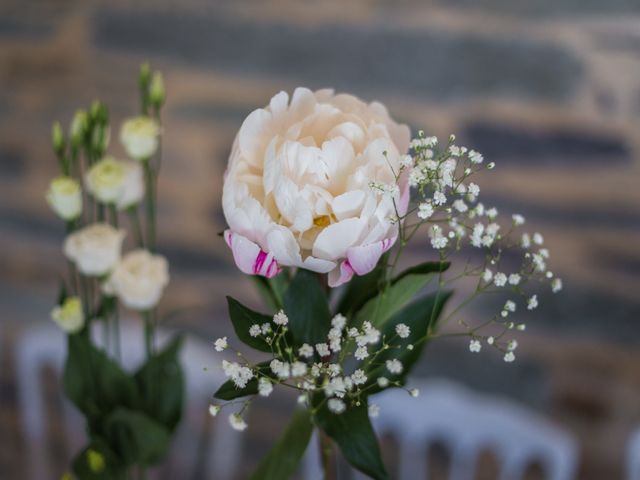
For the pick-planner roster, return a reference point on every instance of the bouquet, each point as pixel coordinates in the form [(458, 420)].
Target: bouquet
[(322, 195), (130, 417)]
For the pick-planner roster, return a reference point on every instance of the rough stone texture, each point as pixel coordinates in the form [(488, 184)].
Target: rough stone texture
[(549, 90)]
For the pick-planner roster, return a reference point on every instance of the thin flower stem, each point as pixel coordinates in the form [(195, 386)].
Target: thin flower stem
[(135, 222), (150, 204)]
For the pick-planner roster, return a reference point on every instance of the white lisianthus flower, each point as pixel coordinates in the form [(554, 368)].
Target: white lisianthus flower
[(297, 189), (116, 182), (139, 135), (139, 279), (95, 249), (69, 315), (65, 197)]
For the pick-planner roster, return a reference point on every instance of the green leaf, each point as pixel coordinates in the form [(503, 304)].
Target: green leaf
[(97, 462), (307, 307), (421, 317), (229, 391), (93, 382), (353, 433), (242, 319), (272, 289), (137, 438), (361, 289), (161, 384), (284, 457), (402, 289)]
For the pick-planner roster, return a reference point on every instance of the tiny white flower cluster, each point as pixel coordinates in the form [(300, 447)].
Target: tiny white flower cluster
[(318, 368), (446, 202)]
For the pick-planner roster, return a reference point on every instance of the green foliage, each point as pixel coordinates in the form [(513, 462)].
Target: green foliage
[(361, 289), (306, 305), (353, 433), (420, 316), (272, 289), (130, 418), (242, 319), (228, 390), (284, 457)]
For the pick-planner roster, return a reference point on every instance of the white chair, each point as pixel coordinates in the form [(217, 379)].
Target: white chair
[(45, 347), (466, 423), (633, 456)]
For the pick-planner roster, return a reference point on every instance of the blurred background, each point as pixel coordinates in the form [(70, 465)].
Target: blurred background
[(548, 89)]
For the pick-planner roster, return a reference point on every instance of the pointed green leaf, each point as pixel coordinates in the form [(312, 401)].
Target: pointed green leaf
[(161, 384), (307, 307), (242, 319), (93, 382), (353, 433), (402, 289), (360, 289), (137, 438), (421, 317), (284, 457), (272, 289)]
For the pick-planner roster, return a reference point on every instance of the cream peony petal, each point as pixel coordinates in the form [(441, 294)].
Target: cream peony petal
[(364, 258), (349, 204), (254, 134), (334, 240), (249, 257)]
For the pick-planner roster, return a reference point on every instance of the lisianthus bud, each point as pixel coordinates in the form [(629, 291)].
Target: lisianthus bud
[(139, 135), (156, 90), (57, 138), (115, 182), (78, 127), (65, 197), (101, 136), (139, 279), (145, 75), (99, 113), (95, 249), (69, 315)]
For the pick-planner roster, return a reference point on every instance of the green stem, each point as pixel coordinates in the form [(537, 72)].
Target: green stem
[(135, 222), (150, 204), (148, 333), (327, 454)]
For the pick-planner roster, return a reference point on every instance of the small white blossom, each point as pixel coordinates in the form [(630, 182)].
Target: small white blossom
[(425, 210), (266, 328), (370, 335), (214, 410), (298, 369), (265, 387), (490, 340), (556, 285), (510, 306), (358, 377), (526, 240), (220, 344), (517, 219), (237, 422), (491, 165), (403, 330), (522, 327), (492, 213), (544, 252), (500, 279), (538, 239), (334, 369), (460, 206), (439, 198), (475, 346), (339, 321), (475, 157), (513, 344), (280, 318), (473, 189), (336, 387), (394, 366), (514, 279), (406, 161), (532, 302), (280, 368), (414, 392), (487, 275), (361, 353), (374, 410), (237, 373), (323, 349), (305, 350), (382, 382), (509, 357), (336, 406), (353, 332), (255, 330)]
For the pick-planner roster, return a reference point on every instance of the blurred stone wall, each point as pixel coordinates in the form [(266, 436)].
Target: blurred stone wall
[(549, 90)]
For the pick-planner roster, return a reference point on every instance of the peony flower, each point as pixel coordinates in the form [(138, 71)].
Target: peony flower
[(116, 182), (139, 135), (69, 315), (298, 188), (139, 279), (65, 197), (95, 249)]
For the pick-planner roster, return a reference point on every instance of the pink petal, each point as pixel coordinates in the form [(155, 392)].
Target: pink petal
[(249, 257), (364, 258), (405, 193), (341, 274)]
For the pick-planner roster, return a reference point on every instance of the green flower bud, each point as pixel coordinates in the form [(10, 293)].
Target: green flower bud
[(145, 76), (78, 127), (95, 460), (57, 138), (156, 90)]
